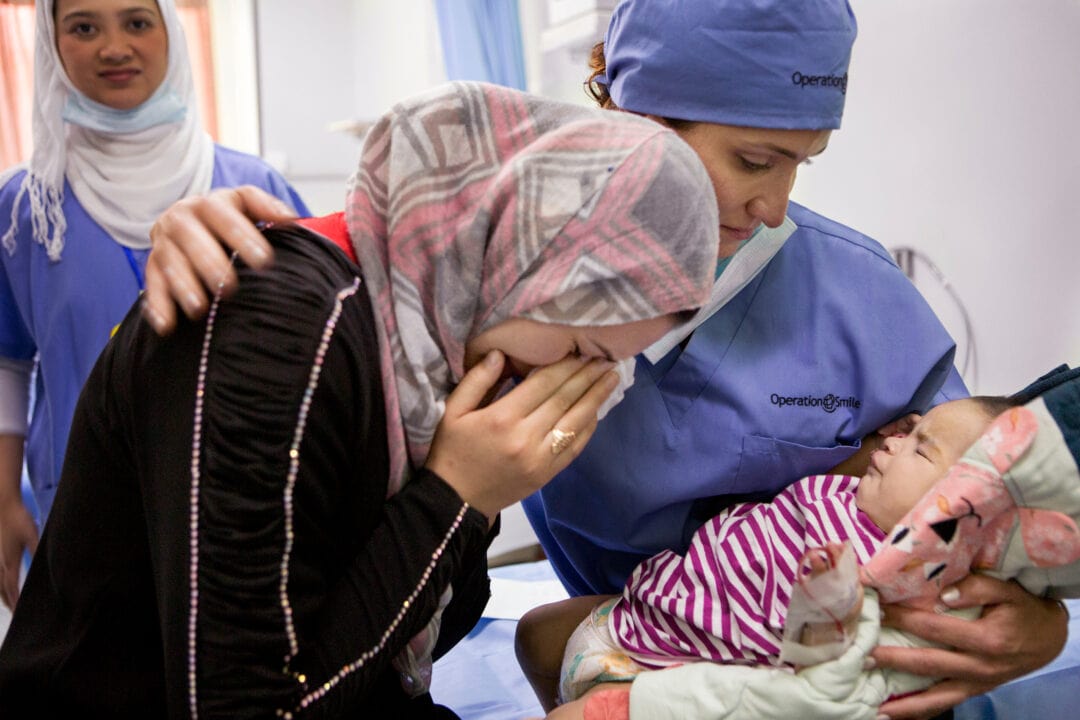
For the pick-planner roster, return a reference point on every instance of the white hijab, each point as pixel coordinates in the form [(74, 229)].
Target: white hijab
[(125, 167)]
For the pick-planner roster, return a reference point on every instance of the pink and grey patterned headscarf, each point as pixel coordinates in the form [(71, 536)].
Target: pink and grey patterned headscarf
[(474, 204)]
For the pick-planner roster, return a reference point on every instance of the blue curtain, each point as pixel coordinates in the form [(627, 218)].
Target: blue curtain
[(481, 40)]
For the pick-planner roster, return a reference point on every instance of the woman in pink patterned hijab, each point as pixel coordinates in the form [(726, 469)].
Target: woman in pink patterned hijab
[(474, 204), (287, 506)]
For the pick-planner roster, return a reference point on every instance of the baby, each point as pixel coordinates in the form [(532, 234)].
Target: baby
[(728, 598)]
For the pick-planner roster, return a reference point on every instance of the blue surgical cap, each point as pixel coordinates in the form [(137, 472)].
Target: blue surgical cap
[(755, 63)]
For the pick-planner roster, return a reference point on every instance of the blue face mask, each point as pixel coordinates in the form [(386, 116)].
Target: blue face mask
[(163, 107)]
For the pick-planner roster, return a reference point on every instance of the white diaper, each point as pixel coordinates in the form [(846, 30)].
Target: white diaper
[(592, 657)]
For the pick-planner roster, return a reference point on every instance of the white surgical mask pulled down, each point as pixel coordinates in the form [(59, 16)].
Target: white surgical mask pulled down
[(744, 266)]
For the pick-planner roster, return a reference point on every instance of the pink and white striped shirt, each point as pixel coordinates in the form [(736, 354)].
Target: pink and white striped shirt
[(726, 599)]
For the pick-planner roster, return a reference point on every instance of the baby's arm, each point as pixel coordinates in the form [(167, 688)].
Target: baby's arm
[(540, 641)]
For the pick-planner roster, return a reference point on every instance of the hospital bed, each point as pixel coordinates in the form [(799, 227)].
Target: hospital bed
[(480, 678)]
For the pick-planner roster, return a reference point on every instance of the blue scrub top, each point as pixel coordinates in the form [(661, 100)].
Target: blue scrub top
[(829, 342), (63, 313)]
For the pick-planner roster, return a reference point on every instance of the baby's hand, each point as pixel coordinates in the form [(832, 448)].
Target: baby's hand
[(903, 426), (815, 563), (826, 600)]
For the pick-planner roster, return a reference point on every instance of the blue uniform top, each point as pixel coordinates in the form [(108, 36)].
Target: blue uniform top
[(63, 312), (829, 342)]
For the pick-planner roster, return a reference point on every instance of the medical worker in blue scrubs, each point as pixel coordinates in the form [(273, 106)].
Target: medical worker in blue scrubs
[(117, 139), (813, 340)]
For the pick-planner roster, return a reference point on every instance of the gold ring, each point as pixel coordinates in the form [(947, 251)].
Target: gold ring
[(561, 439)]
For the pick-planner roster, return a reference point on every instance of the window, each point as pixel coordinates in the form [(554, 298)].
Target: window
[(16, 79)]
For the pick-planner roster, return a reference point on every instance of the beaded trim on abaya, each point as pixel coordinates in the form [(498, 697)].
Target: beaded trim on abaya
[(311, 696)]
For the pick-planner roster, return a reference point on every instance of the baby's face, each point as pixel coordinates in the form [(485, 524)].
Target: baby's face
[(907, 466)]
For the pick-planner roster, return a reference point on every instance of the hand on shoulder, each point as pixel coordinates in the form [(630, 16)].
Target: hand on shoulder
[(192, 243)]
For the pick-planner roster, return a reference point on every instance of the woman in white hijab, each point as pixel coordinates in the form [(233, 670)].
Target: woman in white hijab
[(117, 139)]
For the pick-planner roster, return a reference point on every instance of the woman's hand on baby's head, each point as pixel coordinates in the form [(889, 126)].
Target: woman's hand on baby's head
[(498, 454), (192, 242)]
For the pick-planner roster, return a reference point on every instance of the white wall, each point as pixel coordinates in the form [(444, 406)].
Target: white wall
[(959, 139), (236, 87), (565, 32), (327, 61)]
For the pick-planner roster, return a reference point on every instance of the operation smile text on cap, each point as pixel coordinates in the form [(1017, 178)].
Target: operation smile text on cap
[(755, 63)]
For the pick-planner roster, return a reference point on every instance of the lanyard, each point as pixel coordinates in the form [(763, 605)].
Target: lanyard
[(138, 278), (135, 268)]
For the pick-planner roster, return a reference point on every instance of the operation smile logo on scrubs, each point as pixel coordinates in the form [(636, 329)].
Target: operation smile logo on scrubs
[(829, 403), (823, 81)]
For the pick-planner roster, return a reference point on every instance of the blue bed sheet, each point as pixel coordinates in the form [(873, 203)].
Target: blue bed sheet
[(480, 678)]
